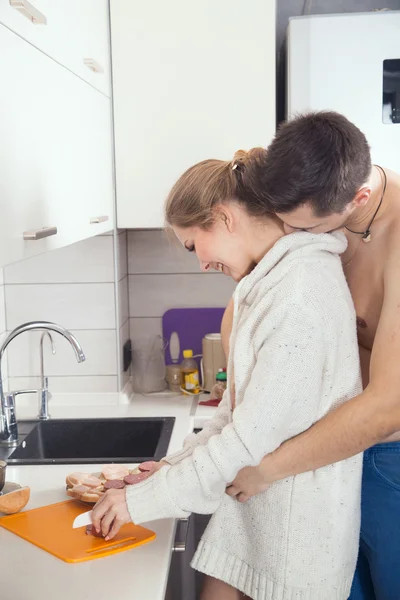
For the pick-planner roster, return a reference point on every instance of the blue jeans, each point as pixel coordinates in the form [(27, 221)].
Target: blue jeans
[(378, 569)]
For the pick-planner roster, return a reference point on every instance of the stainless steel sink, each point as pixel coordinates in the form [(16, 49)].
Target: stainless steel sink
[(64, 441)]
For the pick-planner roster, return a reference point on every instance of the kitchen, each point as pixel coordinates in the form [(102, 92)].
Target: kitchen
[(89, 254)]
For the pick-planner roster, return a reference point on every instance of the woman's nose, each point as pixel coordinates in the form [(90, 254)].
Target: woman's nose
[(204, 266)]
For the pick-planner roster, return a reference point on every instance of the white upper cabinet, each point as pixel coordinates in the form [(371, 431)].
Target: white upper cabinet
[(75, 33), (55, 154), (191, 80)]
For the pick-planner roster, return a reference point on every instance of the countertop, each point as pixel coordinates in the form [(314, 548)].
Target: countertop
[(29, 573)]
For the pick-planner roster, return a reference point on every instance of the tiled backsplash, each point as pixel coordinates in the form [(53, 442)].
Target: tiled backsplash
[(74, 286), (162, 276), (2, 320), (104, 290)]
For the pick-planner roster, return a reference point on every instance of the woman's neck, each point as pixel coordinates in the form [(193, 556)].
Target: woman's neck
[(262, 236)]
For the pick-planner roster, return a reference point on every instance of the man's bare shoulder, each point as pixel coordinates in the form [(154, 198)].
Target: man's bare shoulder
[(392, 216)]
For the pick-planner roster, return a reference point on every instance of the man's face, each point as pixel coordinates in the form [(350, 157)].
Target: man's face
[(304, 219)]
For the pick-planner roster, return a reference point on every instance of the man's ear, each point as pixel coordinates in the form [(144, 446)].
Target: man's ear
[(361, 198)]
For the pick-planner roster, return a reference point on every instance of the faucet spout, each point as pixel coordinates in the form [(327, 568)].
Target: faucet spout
[(9, 435)]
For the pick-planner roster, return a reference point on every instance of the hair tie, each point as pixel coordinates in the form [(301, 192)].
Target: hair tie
[(235, 166)]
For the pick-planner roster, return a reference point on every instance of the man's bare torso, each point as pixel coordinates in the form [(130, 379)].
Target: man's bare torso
[(364, 265)]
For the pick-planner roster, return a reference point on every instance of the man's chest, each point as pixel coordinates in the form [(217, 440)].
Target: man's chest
[(364, 274)]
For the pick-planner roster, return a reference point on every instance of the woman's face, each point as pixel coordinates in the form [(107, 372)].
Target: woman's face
[(221, 248)]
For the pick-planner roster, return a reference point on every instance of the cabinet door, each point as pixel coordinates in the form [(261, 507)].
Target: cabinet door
[(55, 152), (75, 33), (191, 80)]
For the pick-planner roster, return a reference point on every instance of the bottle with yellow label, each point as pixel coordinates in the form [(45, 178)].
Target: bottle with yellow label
[(189, 374)]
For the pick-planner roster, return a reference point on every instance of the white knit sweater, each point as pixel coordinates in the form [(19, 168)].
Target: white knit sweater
[(294, 356)]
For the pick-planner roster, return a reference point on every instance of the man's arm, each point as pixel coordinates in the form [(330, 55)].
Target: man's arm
[(365, 420), (226, 327)]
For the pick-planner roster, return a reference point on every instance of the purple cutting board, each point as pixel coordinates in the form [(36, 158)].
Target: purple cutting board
[(191, 325)]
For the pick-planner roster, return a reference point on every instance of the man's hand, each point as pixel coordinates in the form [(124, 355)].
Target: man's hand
[(249, 482), (110, 513)]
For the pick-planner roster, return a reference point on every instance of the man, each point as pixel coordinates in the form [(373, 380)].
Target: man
[(307, 179)]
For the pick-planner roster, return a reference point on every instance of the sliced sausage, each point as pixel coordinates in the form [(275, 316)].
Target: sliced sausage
[(112, 471), (115, 484), (90, 530), (137, 478), (91, 496), (76, 478), (91, 481), (147, 466)]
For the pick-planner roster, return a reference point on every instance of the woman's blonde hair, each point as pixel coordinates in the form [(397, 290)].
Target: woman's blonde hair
[(193, 200)]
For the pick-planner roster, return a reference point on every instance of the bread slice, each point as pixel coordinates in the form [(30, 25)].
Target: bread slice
[(13, 502)]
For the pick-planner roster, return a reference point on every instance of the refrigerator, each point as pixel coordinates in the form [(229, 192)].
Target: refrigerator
[(349, 63)]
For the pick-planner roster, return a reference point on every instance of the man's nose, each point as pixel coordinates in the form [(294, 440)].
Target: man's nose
[(288, 229)]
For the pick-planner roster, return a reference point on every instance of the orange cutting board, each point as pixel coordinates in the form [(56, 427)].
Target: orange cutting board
[(50, 528)]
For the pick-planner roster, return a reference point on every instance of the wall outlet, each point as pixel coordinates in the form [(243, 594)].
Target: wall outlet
[(127, 355)]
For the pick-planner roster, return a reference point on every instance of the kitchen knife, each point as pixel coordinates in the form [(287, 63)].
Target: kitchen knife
[(82, 520)]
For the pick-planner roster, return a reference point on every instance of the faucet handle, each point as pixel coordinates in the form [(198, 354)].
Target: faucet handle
[(10, 397), (9, 434)]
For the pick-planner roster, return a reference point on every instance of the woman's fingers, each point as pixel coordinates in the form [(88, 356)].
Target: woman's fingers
[(115, 527), (107, 521), (99, 510)]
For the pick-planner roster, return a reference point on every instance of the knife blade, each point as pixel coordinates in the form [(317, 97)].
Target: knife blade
[(82, 520)]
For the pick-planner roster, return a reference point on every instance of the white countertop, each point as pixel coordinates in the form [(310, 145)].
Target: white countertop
[(29, 573)]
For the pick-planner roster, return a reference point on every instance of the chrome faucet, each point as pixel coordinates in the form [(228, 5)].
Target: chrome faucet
[(8, 419), (44, 393)]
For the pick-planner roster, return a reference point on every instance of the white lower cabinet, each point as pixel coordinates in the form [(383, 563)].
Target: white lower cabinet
[(55, 153)]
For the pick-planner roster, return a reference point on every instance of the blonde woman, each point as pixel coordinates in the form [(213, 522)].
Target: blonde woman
[(293, 357)]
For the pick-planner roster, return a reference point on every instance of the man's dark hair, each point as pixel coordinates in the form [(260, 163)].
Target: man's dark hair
[(320, 158)]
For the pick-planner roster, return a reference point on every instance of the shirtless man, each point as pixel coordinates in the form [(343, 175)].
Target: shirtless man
[(304, 177)]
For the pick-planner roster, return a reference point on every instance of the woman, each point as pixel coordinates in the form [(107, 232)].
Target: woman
[(293, 357)]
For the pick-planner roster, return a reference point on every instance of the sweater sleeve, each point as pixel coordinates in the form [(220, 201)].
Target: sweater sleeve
[(212, 427), (281, 400)]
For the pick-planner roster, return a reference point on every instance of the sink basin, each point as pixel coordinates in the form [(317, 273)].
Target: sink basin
[(64, 441)]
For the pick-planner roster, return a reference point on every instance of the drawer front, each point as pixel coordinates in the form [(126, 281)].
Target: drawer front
[(74, 33)]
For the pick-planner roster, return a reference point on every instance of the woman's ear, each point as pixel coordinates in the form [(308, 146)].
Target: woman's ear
[(225, 214)]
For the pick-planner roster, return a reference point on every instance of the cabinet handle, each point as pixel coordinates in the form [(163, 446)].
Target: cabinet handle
[(96, 220), (38, 234), (93, 65), (181, 546), (29, 11)]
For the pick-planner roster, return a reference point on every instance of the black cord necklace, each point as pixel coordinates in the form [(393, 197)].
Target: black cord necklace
[(366, 235)]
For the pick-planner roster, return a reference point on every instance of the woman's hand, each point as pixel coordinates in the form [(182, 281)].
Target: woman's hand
[(249, 482), (110, 513), (157, 466)]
